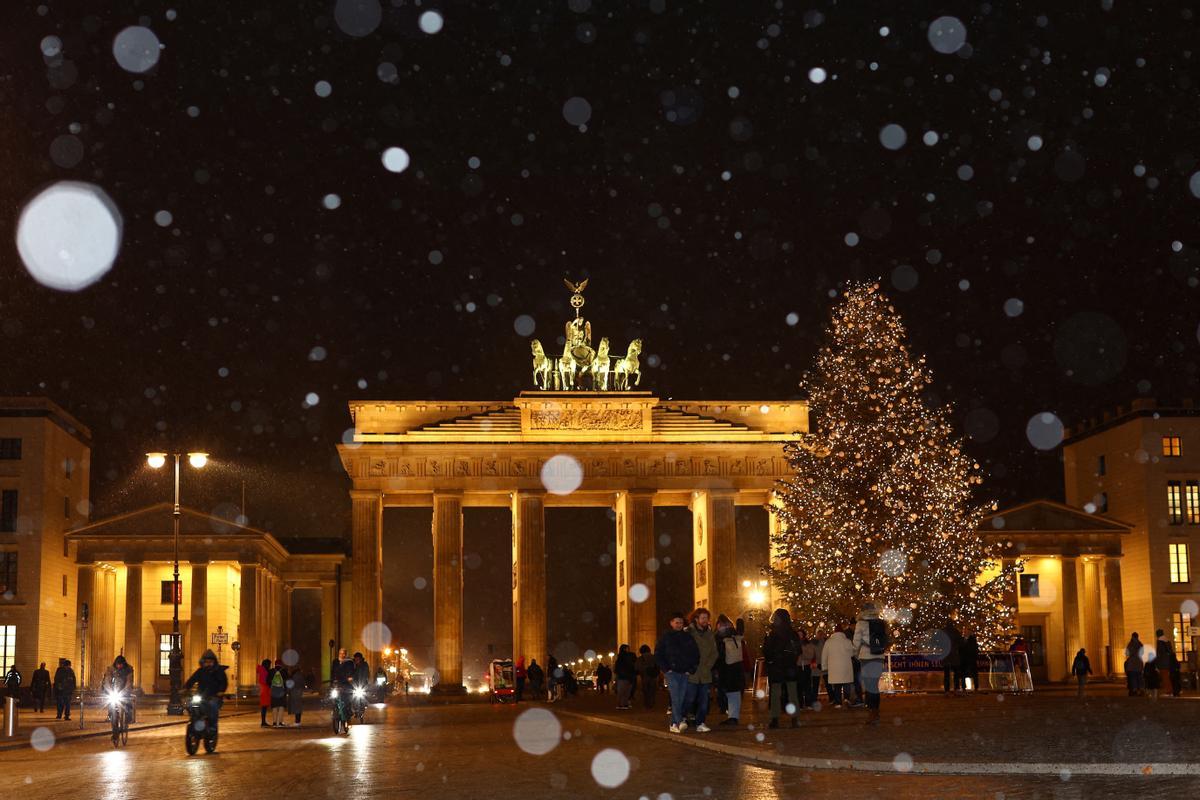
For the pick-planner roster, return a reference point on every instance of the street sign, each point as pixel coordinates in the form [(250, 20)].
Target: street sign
[(1193, 631), (220, 638)]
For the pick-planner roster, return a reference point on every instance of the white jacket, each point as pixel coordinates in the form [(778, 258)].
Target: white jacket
[(836, 658), (862, 636)]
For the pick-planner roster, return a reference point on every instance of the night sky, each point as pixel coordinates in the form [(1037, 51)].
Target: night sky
[(1042, 249)]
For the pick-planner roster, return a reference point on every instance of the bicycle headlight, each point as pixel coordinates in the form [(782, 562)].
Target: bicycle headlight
[(359, 693), (196, 699), (113, 697), (333, 694)]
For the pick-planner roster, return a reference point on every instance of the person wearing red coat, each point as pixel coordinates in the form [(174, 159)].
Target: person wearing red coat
[(263, 673)]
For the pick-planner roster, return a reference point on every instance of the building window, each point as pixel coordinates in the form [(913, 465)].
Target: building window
[(1183, 640), (1101, 468), (166, 592), (68, 467), (8, 646), (10, 449), (1179, 562), (1191, 496), (1175, 502), (1029, 585), (164, 653), (66, 508), (8, 573), (1172, 446), (8, 511), (1032, 634), (1103, 502), (64, 585)]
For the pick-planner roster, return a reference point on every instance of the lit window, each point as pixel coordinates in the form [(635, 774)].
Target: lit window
[(1101, 468), (1181, 623), (1029, 586), (1179, 562), (8, 574), (164, 653), (1192, 497), (1174, 502), (8, 646), (166, 592), (1172, 446)]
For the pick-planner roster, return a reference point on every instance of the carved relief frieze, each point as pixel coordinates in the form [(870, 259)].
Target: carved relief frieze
[(586, 419)]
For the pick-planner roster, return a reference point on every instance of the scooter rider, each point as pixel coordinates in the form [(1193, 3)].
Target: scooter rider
[(210, 683)]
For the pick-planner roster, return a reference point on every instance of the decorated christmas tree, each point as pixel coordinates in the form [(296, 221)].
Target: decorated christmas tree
[(883, 504)]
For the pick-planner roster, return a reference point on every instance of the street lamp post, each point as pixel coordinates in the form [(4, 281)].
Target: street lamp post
[(175, 658)]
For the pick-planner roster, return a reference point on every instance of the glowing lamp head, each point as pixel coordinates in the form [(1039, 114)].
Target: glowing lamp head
[(758, 597), (156, 460), (198, 460)]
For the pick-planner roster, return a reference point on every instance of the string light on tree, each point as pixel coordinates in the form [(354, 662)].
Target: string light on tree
[(882, 507)]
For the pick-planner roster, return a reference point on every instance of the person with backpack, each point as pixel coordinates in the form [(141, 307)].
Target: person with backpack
[(1081, 667), (871, 642), (781, 651), (731, 681), (277, 680)]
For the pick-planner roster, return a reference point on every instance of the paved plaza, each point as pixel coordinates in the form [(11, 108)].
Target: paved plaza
[(469, 750)]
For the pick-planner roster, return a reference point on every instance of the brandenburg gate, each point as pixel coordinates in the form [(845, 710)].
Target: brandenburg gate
[(576, 440)]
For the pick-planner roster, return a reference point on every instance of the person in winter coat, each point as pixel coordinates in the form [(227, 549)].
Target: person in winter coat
[(554, 676), (871, 642), (40, 684), (818, 672), (968, 659), (837, 659), (1081, 667), (210, 682), (603, 678), (295, 694), (731, 680), (537, 678), (625, 668), (1133, 665), (520, 674), (1164, 660), (647, 671), (952, 676), (64, 689), (262, 674), (677, 656), (277, 680), (12, 683), (808, 667), (700, 682), (781, 651)]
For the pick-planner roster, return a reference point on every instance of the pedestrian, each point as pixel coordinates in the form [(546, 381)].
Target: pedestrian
[(295, 695), (1081, 667), (647, 671), (731, 680), (871, 640), (64, 689), (520, 675), (968, 659), (781, 652), (747, 658), (1133, 665), (12, 683), (626, 670), (536, 678), (806, 668), (952, 640), (818, 672), (278, 680), (262, 675), (837, 660), (40, 684), (677, 656), (554, 676), (1164, 661), (603, 678), (700, 682)]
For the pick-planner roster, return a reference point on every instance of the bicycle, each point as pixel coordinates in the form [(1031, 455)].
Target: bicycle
[(119, 714)]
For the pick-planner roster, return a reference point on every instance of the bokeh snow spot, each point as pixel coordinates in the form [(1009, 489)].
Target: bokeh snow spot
[(903, 762), (68, 235), (1044, 431), (610, 768), (537, 731), (562, 474), (639, 593), (42, 739), (376, 636), (136, 49)]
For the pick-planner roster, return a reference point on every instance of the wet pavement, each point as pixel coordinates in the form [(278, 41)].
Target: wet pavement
[(472, 751)]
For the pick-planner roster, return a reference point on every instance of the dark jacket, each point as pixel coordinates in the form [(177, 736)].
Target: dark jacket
[(362, 674), (647, 668), (343, 671), (64, 680), (626, 666), (954, 643), (1081, 665), (603, 675), (209, 681), (1164, 654), (536, 676), (676, 651), (780, 650), (40, 681), (968, 654)]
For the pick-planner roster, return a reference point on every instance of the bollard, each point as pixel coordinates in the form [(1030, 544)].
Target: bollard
[(10, 718)]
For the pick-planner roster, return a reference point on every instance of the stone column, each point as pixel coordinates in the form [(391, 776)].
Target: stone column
[(714, 549), (1072, 630), (1093, 634), (529, 576), (287, 616), (366, 597), (105, 621), (1116, 615), (448, 591), (198, 627), (637, 622), (776, 528), (86, 590), (248, 626), (133, 626), (328, 624)]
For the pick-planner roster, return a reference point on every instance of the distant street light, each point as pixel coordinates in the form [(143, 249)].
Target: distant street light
[(157, 461)]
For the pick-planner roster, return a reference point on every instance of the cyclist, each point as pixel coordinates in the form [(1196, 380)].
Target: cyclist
[(210, 683), (119, 681)]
